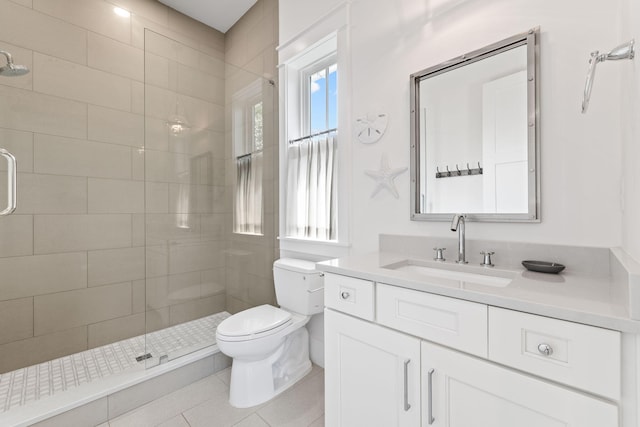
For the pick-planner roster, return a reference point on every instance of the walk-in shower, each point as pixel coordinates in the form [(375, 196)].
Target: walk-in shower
[(118, 254)]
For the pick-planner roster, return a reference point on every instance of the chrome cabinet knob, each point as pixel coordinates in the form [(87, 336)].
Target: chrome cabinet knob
[(345, 295), (545, 349)]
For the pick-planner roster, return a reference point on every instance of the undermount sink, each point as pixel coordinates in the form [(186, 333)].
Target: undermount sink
[(478, 275)]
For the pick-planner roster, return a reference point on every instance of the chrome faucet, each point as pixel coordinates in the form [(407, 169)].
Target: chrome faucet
[(457, 224)]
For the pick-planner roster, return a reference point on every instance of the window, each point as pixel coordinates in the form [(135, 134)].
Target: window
[(247, 134), (311, 187)]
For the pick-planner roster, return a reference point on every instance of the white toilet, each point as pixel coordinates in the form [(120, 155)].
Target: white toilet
[(270, 345)]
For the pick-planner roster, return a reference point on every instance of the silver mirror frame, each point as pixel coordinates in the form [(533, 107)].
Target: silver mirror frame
[(531, 40)]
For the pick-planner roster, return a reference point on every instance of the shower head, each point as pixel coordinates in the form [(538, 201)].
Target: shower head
[(624, 51), (12, 70)]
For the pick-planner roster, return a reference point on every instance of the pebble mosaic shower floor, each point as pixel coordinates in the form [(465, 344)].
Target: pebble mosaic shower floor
[(36, 382)]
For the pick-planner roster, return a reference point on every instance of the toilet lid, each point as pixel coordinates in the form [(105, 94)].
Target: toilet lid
[(254, 321)]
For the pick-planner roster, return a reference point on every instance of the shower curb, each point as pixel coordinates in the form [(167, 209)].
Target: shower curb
[(98, 403)]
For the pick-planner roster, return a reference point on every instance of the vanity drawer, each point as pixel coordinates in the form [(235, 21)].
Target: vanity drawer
[(349, 295), (448, 321), (582, 356)]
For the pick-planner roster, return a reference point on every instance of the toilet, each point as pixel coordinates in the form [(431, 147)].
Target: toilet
[(270, 345)]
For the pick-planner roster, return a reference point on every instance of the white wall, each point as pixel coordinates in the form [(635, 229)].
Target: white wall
[(630, 96), (581, 154)]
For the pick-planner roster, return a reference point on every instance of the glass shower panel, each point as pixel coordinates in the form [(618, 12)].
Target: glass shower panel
[(187, 207)]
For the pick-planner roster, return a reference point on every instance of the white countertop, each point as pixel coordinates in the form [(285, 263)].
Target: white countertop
[(568, 296)]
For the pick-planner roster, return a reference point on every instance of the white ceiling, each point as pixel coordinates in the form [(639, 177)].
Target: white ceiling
[(219, 14)]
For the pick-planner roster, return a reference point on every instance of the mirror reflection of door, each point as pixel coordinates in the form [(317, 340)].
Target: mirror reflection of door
[(504, 144)]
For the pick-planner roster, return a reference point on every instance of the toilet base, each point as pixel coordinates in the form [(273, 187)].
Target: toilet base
[(255, 382)]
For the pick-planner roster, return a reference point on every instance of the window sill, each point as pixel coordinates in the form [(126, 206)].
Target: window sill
[(323, 248)]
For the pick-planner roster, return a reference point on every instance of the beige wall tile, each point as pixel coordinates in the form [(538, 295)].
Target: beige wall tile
[(195, 83), (156, 71), (214, 227), (69, 233), (38, 31), (211, 65), (195, 309), (115, 196), (138, 296), (35, 112), (213, 282), (137, 164), (95, 15), (156, 134), (20, 144), (157, 197), (72, 81), (138, 230), (174, 289), (152, 10), (196, 256), (16, 235), (42, 274), (115, 126), (115, 266), (65, 310), (26, 3), (113, 330), (157, 319), (16, 318), (18, 354), (168, 47), (157, 263), (114, 57), (65, 156), (49, 194), (137, 97)]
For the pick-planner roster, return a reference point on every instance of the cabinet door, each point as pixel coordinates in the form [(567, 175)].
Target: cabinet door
[(372, 374), (462, 391)]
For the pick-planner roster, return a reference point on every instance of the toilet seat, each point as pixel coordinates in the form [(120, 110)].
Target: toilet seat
[(254, 323)]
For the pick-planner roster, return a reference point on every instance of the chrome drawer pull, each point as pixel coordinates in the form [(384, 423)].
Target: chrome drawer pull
[(406, 385), (545, 349), (430, 401), (345, 295)]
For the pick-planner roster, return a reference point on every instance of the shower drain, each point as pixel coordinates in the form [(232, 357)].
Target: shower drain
[(143, 357)]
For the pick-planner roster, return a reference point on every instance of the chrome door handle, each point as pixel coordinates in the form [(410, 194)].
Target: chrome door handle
[(407, 406), (11, 182), (430, 401)]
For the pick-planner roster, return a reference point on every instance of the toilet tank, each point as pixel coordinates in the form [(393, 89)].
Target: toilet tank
[(299, 286)]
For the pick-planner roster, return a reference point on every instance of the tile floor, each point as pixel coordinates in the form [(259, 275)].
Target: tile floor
[(205, 404)]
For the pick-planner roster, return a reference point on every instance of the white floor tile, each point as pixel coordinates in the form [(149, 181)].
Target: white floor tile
[(298, 406), (318, 423), (178, 421), (253, 420), (216, 412), (173, 404), (225, 375)]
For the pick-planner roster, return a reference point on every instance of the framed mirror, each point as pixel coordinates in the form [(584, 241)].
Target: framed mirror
[(475, 135)]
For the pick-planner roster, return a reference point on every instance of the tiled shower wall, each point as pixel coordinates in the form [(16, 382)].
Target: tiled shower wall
[(72, 257), (250, 52)]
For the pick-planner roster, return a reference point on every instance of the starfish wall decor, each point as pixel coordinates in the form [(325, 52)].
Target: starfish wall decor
[(384, 177)]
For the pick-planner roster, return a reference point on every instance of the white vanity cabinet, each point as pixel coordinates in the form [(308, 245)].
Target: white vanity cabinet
[(464, 391), (416, 358), (374, 375)]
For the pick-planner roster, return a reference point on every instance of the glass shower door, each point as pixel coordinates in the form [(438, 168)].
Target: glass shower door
[(186, 203)]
